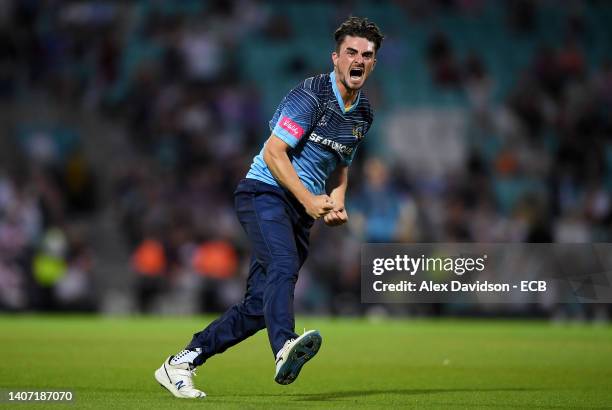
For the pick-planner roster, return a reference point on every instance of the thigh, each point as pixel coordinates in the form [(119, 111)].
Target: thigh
[(302, 240), (267, 223)]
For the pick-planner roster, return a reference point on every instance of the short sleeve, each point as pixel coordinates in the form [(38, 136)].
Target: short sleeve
[(297, 117)]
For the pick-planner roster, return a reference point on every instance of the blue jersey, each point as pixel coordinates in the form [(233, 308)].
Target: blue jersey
[(313, 121)]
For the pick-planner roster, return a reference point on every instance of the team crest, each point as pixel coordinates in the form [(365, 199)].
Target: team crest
[(358, 131)]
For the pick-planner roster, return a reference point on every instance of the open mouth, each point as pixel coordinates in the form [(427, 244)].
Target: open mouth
[(356, 73)]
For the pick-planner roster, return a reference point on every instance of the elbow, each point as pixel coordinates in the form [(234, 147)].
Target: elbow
[(267, 156), (271, 156), (275, 152)]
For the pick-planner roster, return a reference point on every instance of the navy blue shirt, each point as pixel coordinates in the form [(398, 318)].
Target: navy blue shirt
[(313, 121)]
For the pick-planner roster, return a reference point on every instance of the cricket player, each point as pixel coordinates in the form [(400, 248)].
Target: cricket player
[(300, 175)]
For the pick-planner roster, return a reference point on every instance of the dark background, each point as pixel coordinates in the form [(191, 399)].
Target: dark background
[(125, 127)]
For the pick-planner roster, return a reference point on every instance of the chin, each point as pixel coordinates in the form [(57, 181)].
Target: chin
[(357, 86)]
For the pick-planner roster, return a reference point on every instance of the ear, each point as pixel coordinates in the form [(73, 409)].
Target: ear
[(334, 56)]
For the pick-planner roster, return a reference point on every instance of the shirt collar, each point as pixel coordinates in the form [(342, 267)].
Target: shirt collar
[(332, 77)]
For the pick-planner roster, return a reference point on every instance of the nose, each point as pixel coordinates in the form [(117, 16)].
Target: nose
[(359, 59)]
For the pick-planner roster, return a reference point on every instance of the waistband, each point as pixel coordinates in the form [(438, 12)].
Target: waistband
[(250, 185)]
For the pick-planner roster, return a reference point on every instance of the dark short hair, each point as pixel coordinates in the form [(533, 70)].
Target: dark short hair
[(359, 27)]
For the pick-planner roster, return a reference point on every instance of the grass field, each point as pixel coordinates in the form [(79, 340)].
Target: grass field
[(109, 363)]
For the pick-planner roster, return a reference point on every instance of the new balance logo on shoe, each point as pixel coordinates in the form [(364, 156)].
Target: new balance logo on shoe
[(178, 379)]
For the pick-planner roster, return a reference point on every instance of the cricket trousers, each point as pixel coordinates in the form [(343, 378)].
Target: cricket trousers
[(278, 228)]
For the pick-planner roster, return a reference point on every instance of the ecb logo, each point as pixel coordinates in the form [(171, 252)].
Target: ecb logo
[(322, 122)]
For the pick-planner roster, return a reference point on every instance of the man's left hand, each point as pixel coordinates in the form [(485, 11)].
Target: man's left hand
[(335, 217)]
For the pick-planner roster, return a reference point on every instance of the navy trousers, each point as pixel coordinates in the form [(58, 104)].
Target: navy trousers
[(278, 228)]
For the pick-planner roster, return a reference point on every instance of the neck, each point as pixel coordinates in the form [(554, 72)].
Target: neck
[(348, 95)]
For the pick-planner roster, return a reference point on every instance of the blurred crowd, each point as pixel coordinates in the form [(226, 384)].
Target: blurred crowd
[(538, 164), (46, 257)]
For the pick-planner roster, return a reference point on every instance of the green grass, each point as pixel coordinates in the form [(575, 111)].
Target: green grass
[(109, 363)]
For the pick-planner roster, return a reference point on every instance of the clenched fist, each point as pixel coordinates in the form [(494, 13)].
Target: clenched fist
[(318, 206), (336, 216)]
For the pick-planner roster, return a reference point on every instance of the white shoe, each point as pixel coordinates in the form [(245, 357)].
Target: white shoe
[(178, 379), (294, 354)]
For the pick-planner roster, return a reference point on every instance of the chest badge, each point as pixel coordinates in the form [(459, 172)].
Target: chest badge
[(358, 131)]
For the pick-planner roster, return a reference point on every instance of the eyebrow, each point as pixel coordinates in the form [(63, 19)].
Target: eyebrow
[(365, 53)]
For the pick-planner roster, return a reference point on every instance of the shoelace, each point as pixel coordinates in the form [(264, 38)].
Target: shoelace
[(182, 353)]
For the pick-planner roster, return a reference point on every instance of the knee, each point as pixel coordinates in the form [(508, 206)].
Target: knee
[(250, 317), (250, 306), (283, 268)]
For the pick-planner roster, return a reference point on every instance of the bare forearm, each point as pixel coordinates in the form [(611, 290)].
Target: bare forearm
[(281, 168), (276, 158), (336, 186), (339, 184)]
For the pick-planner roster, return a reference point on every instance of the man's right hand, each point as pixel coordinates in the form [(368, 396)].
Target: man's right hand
[(318, 206)]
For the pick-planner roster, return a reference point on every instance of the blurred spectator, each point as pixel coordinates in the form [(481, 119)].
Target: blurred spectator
[(571, 60), (478, 85), (217, 262), (48, 268), (442, 64), (522, 15), (149, 262), (376, 210), (215, 259)]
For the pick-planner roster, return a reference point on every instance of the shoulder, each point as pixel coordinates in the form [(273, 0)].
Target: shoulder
[(312, 92), (305, 93), (318, 85)]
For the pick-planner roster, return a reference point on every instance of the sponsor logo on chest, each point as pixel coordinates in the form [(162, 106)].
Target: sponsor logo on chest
[(334, 145)]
